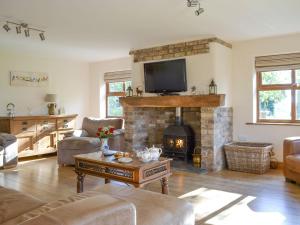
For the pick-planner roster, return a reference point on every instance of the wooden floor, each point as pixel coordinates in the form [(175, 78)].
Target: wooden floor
[(224, 198)]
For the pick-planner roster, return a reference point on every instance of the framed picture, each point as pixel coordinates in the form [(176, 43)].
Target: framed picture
[(29, 79)]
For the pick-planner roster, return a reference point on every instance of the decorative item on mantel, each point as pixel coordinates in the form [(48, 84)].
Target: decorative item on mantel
[(197, 157), (139, 92), (212, 88), (193, 90), (51, 99), (104, 133), (129, 91)]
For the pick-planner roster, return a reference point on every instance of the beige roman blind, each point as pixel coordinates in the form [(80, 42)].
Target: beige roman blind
[(277, 62), (118, 76)]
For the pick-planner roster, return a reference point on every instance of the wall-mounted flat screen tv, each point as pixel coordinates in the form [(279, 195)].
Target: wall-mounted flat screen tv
[(165, 76)]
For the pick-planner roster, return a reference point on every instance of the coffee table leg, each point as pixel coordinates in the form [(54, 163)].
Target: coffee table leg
[(106, 181), (80, 179), (164, 186)]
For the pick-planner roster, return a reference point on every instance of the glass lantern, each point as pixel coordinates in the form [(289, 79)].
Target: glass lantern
[(212, 88), (129, 92)]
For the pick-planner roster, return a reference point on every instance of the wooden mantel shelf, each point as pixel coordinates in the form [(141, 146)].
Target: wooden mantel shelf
[(174, 101)]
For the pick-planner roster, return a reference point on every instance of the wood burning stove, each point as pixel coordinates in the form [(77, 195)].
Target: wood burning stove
[(178, 140)]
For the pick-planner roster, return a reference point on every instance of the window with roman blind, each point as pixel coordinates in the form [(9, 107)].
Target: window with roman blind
[(116, 85), (278, 88)]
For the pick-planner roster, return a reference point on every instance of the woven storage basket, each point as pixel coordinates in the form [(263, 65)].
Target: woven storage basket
[(248, 157)]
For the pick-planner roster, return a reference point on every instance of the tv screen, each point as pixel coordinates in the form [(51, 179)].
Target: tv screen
[(165, 76)]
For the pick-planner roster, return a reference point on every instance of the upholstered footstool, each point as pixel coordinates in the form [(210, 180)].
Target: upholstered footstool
[(8, 151), (68, 147)]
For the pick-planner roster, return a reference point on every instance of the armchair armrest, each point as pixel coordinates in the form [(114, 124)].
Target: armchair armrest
[(291, 146), (76, 133), (98, 210), (119, 132)]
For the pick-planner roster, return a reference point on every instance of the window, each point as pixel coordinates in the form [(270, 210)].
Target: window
[(115, 90), (278, 96)]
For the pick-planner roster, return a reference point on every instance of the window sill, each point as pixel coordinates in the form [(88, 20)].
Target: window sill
[(272, 123)]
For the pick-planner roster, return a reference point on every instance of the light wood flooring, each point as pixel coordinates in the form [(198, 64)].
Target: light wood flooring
[(223, 198)]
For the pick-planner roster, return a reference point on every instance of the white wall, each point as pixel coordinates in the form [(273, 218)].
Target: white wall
[(201, 69), (68, 79), (222, 70), (244, 92), (97, 88)]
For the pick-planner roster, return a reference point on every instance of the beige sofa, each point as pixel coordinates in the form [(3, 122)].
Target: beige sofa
[(291, 159), (108, 205), (86, 141)]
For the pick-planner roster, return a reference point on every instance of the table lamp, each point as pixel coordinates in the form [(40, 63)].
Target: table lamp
[(51, 99)]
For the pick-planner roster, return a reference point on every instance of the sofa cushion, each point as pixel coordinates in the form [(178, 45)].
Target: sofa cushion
[(79, 207), (79, 143), (293, 162), (153, 208), (99, 210), (14, 203), (91, 125)]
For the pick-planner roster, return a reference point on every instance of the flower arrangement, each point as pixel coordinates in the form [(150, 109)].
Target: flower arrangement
[(105, 132)]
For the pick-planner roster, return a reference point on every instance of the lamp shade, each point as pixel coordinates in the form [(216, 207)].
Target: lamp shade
[(50, 98)]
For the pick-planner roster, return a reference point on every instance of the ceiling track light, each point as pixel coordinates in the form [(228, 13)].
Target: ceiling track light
[(25, 27), (195, 3)]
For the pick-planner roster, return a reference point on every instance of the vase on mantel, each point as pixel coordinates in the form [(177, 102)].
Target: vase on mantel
[(104, 144)]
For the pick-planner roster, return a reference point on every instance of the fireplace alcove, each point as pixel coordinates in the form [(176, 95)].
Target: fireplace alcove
[(178, 139), (146, 118), (178, 142)]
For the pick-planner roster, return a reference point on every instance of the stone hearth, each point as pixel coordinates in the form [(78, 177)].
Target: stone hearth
[(212, 126)]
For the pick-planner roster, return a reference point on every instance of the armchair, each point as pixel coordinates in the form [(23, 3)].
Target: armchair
[(291, 159), (8, 151), (85, 140)]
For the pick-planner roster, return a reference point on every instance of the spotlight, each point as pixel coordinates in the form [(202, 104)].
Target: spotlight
[(18, 29), (6, 27), (42, 36), (192, 3), (199, 11), (26, 32)]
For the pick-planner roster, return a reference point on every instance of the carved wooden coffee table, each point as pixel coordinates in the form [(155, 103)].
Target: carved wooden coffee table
[(135, 173)]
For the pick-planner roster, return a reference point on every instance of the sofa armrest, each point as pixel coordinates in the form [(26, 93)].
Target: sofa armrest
[(291, 146), (98, 210), (76, 133)]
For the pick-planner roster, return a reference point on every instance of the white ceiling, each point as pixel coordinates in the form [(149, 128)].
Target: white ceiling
[(93, 30)]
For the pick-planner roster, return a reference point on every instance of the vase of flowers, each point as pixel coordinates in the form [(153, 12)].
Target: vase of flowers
[(104, 133)]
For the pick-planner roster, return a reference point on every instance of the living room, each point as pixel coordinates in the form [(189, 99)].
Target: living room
[(197, 102)]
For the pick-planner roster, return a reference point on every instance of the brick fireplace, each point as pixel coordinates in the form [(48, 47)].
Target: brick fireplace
[(146, 119)]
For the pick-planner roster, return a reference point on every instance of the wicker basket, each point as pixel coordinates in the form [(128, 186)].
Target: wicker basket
[(248, 157)]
